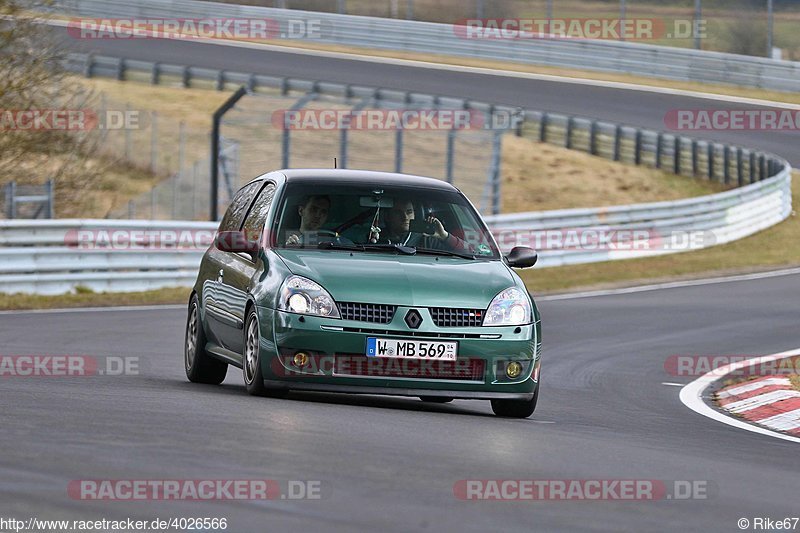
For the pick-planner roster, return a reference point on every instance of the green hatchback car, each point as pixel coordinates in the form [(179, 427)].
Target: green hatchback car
[(364, 282)]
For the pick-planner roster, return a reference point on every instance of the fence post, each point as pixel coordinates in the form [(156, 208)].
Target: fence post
[(175, 178), (11, 191), (618, 142), (739, 167), (676, 166), (761, 167), (659, 148), (593, 138), (185, 77), (153, 141), (451, 142), (121, 69), (154, 74), (710, 156), (194, 188), (128, 134), (103, 113), (50, 190), (695, 167), (216, 121), (398, 150), (637, 150), (568, 140), (543, 127), (726, 153), (181, 147), (285, 147), (88, 67), (494, 174)]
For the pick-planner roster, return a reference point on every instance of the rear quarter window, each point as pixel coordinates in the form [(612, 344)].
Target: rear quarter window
[(232, 220)]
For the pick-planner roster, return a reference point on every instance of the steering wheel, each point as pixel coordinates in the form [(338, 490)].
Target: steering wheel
[(338, 239), (358, 219)]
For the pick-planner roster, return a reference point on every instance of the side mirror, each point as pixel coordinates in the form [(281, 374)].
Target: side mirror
[(236, 242), (521, 257)]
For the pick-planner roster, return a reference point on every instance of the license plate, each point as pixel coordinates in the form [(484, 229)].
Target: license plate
[(405, 349)]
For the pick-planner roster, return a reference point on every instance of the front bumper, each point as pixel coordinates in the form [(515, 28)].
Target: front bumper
[(337, 361)]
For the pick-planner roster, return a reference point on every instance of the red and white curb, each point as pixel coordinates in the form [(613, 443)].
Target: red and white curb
[(770, 401)]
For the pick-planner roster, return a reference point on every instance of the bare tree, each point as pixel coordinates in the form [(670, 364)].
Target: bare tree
[(32, 79)]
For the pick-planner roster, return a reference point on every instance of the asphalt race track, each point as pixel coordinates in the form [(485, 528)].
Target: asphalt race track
[(390, 464)]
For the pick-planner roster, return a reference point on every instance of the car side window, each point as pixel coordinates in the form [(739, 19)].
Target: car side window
[(254, 224), (241, 201)]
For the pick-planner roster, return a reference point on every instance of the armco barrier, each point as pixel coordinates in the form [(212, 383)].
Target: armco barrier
[(49, 257), (425, 37)]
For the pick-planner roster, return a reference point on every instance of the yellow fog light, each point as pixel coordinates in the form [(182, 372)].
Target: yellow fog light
[(300, 359), (513, 369)]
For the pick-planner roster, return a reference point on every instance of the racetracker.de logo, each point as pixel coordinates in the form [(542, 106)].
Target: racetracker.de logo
[(31, 366), (194, 489), (733, 120), (381, 119), (611, 28), (581, 489), (238, 29), (68, 119), (700, 365)]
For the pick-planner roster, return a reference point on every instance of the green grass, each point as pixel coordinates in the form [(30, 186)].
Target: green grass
[(83, 297)]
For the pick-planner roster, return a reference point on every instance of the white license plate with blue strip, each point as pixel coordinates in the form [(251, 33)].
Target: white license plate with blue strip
[(408, 349)]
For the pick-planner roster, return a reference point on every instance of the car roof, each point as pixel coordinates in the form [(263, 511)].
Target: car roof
[(364, 176)]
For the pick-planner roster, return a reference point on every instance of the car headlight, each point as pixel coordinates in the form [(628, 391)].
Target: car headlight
[(305, 297), (509, 308)]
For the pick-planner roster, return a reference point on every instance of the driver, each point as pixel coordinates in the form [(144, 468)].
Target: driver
[(313, 211), (398, 230)]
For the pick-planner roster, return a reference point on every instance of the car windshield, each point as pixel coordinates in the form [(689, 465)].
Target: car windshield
[(369, 218)]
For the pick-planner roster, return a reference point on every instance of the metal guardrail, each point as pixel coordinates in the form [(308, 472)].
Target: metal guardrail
[(667, 227), (56, 260), (425, 37), (762, 199), (56, 256)]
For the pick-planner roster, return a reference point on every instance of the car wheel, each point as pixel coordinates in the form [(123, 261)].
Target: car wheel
[(201, 367), (516, 408), (435, 399), (251, 360)]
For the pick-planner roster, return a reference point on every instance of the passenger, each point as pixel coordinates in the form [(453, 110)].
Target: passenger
[(313, 211), (398, 230)]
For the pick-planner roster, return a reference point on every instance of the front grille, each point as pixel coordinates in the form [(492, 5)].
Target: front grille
[(384, 367), (377, 313), (446, 317)]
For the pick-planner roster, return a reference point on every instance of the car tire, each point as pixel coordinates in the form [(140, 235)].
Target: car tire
[(436, 399), (516, 408), (251, 360), (200, 366)]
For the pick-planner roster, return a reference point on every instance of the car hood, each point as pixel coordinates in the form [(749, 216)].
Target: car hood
[(405, 280)]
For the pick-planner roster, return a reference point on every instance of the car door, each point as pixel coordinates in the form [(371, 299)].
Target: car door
[(240, 272), (215, 262)]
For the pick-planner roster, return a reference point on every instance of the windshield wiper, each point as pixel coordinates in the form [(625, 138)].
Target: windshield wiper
[(433, 251), (407, 250), (330, 245)]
